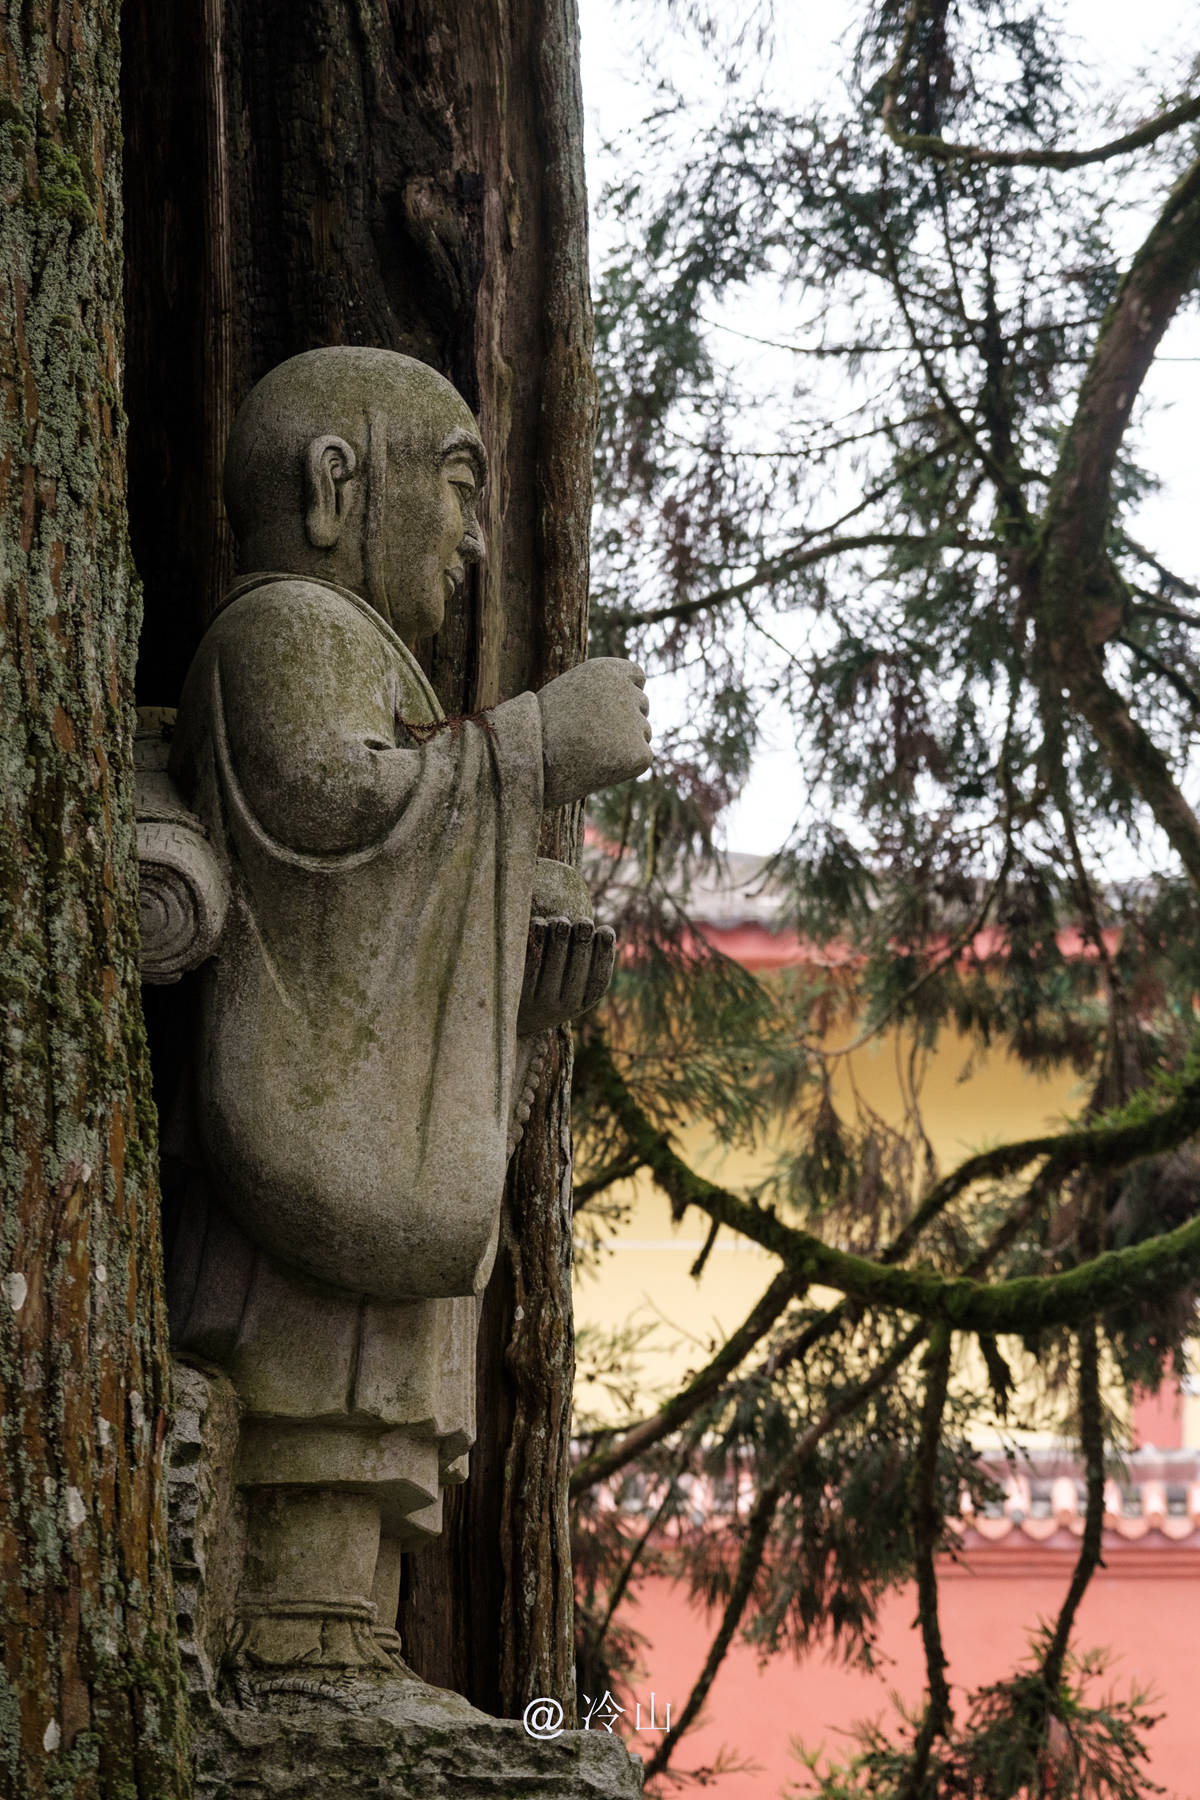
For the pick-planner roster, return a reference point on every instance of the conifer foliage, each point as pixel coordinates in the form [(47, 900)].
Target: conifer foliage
[(919, 549)]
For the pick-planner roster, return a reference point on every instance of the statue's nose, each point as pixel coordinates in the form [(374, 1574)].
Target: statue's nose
[(473, 548)]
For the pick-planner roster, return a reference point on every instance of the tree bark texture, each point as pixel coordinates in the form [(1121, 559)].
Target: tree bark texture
[(90, 1695), (405, 173)]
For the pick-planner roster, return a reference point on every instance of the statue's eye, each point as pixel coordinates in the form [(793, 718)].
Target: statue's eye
[(462, 479)]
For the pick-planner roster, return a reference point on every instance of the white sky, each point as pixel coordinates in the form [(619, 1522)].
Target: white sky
[(628, 43)]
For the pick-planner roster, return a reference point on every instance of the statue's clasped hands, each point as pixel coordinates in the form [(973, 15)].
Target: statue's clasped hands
[(568, 966), (594, 732)]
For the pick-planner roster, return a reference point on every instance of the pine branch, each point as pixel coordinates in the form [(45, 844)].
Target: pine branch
[(935, 967), (762, 1515), (1000, 477), (602, 1464), (790, 563), (844, 1311), (621, 1585), (1171, 676), (750, 1561), (935, 148), (940, 150), (1163, 269), (1080, 598), (706, 1249), (1091, 1437), (605, 1463), (1020, 1305), (621, 1168), (758, 1530), (1176, 583), (1158, 609), (926, 1523)]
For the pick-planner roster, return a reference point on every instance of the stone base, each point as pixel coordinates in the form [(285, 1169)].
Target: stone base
[(266, 1734), (399, 1740)]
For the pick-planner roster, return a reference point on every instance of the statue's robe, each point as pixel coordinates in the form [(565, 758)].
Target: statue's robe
[(344, 1148)]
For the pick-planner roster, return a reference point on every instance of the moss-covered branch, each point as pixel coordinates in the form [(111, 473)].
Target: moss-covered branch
[(1020, 1305), (626, 1446)]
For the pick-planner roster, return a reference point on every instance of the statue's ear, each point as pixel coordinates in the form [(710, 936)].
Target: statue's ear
[(329, 463)]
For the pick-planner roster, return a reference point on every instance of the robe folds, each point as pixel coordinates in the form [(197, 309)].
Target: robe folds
[(353, 1089)]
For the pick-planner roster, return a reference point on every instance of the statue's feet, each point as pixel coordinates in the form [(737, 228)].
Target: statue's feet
[(389, 1642), (305, 1661), (325, 1640)]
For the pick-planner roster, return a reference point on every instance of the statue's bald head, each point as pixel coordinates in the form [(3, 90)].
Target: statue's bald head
[(334, 468)]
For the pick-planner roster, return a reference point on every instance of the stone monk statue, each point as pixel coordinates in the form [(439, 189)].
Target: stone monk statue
[(368, 1023)]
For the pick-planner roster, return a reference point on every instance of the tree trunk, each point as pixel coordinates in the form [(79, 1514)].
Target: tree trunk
[(405, 173), (90, 1696)]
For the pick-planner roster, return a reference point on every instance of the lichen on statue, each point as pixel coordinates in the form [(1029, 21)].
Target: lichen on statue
[(339, 1160)]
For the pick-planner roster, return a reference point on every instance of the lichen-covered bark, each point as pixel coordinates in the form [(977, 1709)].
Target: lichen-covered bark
[(90, 1696), (406, 173)]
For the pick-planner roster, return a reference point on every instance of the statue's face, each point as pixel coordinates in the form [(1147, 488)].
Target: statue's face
[(391, 466), (431, 527)]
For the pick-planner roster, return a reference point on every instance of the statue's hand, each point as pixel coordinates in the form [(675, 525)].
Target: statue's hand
[(568, 967), (594, 729)]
